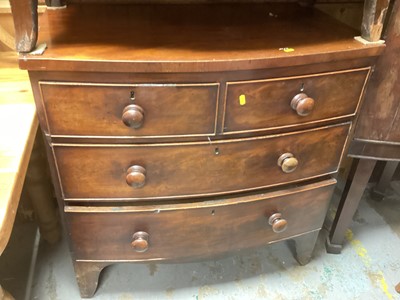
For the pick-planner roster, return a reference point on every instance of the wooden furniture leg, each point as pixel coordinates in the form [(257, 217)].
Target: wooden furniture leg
[(378, 192), (351, 197), (373, 19), (40, 191), (25, 24), (87, 276), (302, 247)]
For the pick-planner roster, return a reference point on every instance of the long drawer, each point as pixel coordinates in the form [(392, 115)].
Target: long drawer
[(129, 110), (287, 102), (162, 171), (196, 230)]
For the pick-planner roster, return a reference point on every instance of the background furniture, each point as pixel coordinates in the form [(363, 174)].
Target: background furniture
[(377, 135)]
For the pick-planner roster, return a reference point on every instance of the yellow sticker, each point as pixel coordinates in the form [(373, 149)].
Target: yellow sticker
[(242, 99), (287, 49)]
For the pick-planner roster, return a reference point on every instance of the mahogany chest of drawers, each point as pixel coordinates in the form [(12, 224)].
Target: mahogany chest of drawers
[(188, 132)]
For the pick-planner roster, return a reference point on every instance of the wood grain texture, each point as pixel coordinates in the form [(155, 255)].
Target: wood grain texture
[(6, 39), (96, 109), (212, 228), (183, 78), (374, 150), (267, 102), (303, 247), (193, 169), (373, 19), (18, 126), (379, 116), (25, 23), (223, 37)]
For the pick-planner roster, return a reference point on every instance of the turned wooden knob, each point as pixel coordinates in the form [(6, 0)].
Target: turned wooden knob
[(140, 241), (136, 176), (302, 104), (288, 162), (277, 222), (133, 116)]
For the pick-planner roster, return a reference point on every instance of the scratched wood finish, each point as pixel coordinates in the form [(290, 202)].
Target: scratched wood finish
[(25, 24), (373, 19), (181, 170), (96, 110), (268, 101), (105, 233), (226, 37), (379, 120)]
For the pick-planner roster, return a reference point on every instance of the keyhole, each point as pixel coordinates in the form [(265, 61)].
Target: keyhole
[(216, 151), (302, 87), (132, 95)]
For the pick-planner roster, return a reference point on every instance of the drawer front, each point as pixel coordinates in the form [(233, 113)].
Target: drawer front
[(196, 230), (130, 110), (266, 104), (196, 169)]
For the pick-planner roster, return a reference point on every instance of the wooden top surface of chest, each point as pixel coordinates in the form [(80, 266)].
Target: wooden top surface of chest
[(191, 38)]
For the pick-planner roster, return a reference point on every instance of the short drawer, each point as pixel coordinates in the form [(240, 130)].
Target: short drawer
[(129, 110), (196, 230), (286, 102), (155, 171)]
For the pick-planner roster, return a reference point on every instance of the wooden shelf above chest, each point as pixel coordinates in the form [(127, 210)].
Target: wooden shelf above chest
[(190, 38)]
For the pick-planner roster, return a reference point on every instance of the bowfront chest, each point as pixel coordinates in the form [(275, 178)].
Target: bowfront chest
[(185, 132)]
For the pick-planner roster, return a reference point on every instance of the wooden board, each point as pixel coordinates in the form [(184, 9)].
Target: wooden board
[(18, 126), (191, 38)]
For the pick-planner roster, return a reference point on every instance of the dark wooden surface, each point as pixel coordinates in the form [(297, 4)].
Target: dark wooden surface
[(226, 37), (353, 191), (96, 110), (83, 109), (132, 79), (182, 170), (268, 101), (374, 150), (303, 247), (373, 19), (379, 191), (215, 227), (25, 24), (56, 3)]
